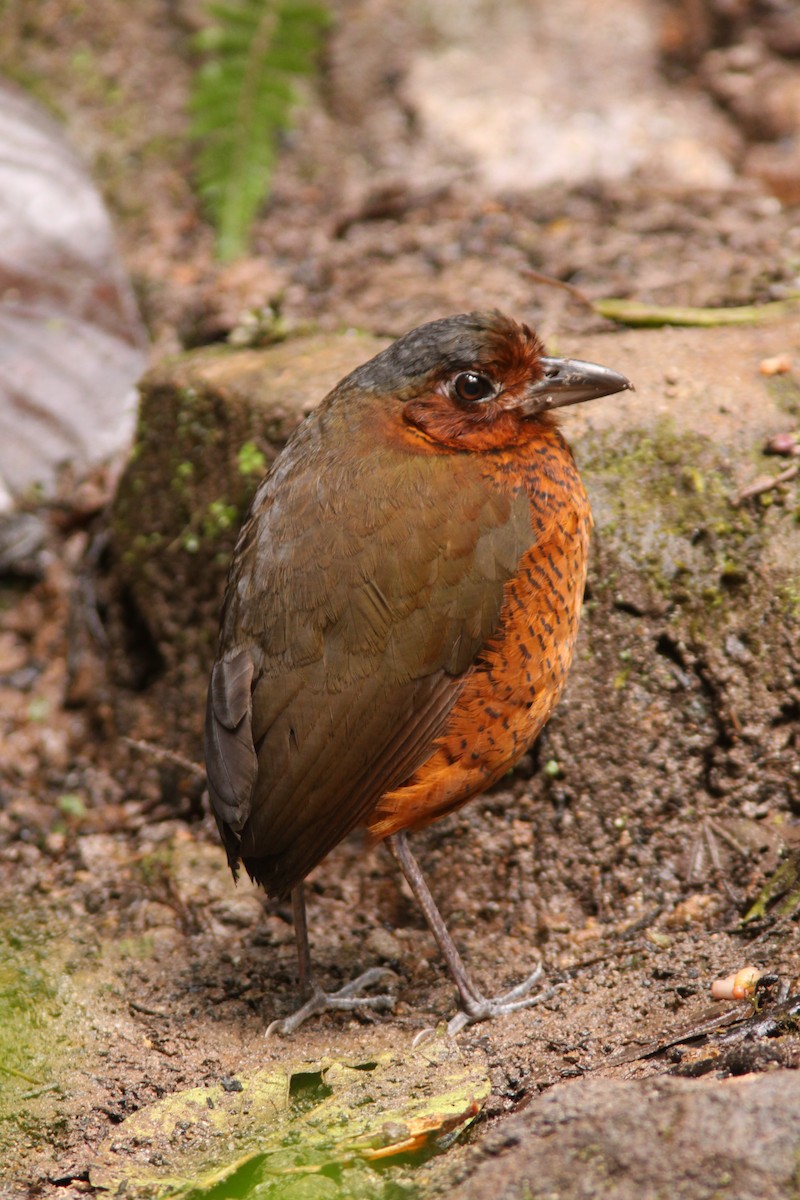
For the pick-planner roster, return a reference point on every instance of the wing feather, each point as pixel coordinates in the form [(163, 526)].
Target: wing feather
[(362, 590), (230, 755)]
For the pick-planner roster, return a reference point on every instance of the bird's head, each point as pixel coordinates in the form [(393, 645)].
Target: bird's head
[(479, 381)]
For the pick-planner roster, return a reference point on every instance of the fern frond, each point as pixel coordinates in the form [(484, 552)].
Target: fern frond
[(242, 100)]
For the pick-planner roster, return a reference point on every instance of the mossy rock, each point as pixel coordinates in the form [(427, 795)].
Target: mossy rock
[(683, 702), (210, 424), (685, 691)]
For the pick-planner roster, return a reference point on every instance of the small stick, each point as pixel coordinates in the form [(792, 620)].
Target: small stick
[(551, 281), (171, 756), (767, 485), (633, 312)]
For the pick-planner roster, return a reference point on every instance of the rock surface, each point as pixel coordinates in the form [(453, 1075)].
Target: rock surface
[(665, 1137), (71, 342)]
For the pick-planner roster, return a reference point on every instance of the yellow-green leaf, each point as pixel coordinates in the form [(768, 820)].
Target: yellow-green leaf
[(303, 1121)]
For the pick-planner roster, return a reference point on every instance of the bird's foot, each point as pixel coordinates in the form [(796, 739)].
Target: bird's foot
[(345, 1000), (481, 1008)]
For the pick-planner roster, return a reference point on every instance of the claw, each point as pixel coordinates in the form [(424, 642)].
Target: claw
[(345, 1000), (423, 1037), (480, 1008)]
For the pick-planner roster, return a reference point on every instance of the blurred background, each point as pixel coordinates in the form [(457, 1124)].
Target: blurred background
[(429, 152), (370, 164)]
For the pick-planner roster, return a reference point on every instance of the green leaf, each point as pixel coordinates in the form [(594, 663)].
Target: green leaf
[(242, 101), (632, 312), (280, 1129), (783, 886)]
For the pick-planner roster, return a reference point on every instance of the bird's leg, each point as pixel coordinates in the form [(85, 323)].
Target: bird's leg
[(315, 1000), (398, 844), (476, 1006), (301, 940)]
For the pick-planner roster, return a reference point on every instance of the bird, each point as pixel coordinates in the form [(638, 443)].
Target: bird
[(400, 615)]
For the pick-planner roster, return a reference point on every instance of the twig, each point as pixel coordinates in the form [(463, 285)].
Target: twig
[(637, 313), (46, 1087), (21, 1075), (766, 485), (163, 755), (149, 1012), (551, 281), (633, 312)]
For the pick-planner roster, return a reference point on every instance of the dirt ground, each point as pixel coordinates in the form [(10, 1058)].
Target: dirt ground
[(132, 967)]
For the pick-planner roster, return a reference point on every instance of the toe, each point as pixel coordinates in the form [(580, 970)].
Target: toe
[(480, 1008), (345, 1000)]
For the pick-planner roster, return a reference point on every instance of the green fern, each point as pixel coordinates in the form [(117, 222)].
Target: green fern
[(242, 100)]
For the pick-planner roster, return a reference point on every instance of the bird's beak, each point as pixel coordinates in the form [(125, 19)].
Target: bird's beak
[(569, 381)]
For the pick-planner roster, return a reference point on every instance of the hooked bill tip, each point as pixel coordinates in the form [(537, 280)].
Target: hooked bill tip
[(568, 381)]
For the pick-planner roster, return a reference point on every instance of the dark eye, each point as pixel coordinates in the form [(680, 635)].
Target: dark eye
[(469, 387)]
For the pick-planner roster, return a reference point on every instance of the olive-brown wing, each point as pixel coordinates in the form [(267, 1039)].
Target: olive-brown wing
[(360, 596)]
